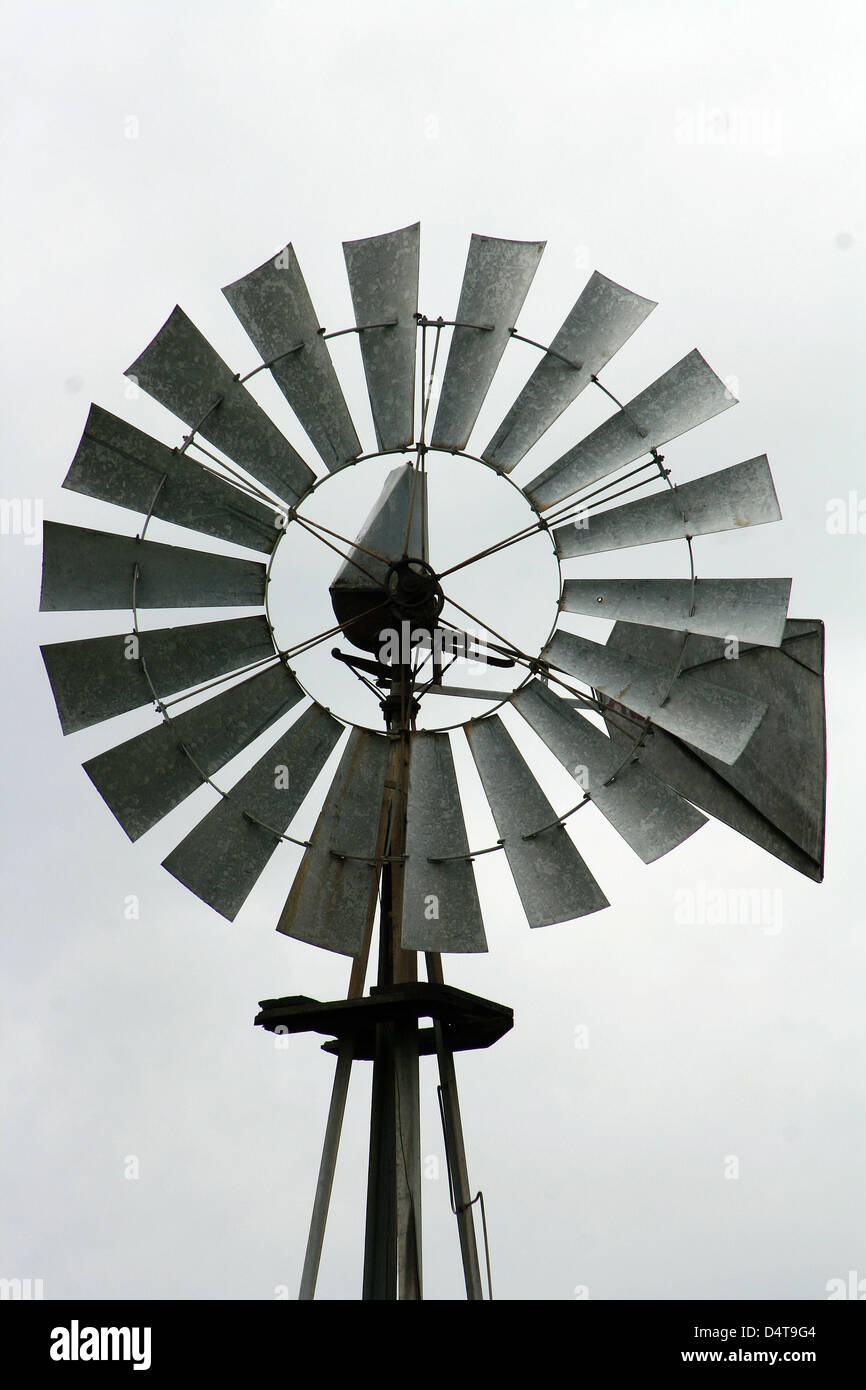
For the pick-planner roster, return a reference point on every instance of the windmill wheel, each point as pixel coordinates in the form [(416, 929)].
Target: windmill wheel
[(683, 727)]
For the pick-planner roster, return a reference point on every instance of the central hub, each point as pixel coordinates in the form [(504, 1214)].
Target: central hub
[(415, 592), (410, 594)]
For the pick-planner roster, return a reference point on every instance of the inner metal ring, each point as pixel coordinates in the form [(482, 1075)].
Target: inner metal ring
[(386, 453)]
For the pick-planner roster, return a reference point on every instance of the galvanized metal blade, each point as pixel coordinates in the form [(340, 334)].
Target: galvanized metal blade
[(715, 719), (603, 318), (553, 881), (495, 283), (441, 911), (753, 610), (146, 777), (774, 794), (685, 396), (96, 569), (649, 816), (742, 495), (274, 306), (183, 372), (118, 463), (100, 677), (383, 279), (804, 643), (327, 905), (710, 654), (222, 859)]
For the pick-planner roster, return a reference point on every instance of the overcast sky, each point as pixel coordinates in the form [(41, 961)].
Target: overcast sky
[(706, 155)]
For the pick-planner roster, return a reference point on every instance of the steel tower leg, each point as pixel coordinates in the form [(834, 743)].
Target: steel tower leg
[(408, 1161), (380, 1246), (455, 1148), (380, 1241), (327, 1168)]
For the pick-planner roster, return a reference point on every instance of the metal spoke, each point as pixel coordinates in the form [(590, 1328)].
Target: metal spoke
[(243, 484), (568, 512), (432, 681), (356, 545), (301, 647), (533, 664), (348, 558)]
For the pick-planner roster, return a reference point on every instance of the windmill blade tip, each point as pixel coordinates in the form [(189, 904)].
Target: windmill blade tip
[(177, 314), (381, 236)]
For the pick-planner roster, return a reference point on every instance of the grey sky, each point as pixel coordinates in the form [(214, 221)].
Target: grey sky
[(706, 155)]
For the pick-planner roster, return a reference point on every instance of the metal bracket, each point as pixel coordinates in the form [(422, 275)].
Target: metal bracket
[(472, 1022)]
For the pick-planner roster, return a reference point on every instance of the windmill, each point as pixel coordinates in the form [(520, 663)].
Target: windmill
[(656, 726)]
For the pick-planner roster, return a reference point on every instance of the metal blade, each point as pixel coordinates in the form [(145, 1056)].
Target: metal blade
[(792, 728), (553, 881), (717, 720), (649, 816), (95, 569), (183, 372), (687, 395), (383, 279), (753, 610), (662, 647), (101, 677), (146, 777), (441, 911), (804, 641), (495, 283), (396, 526), (742, 495), (222, 859), (328, 902), (604, 317), (123, 465), (758, 796), (274, 306)]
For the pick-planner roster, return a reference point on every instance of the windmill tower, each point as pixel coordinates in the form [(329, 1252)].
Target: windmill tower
[(656, 726)]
